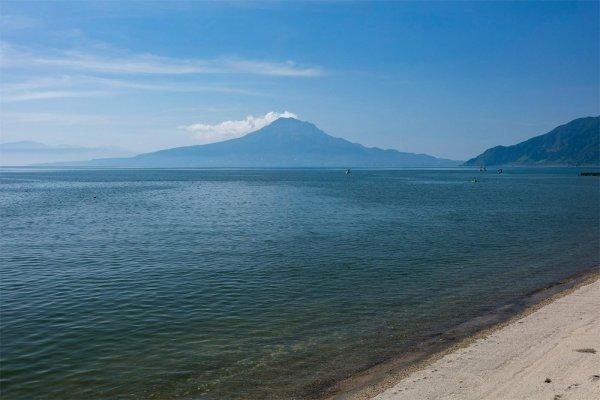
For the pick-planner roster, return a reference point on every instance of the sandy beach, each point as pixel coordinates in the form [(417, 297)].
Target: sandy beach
[(550, 352)]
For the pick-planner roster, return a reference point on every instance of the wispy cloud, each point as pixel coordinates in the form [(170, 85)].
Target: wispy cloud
[(119, 62), (168, 87), (51, 118), (104, 70), (44, 88), (67, 86), (51, 94), (288, 68), (35, 83), (206, 133), (16, 22)]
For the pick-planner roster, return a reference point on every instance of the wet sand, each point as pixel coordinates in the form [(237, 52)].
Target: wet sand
[(549, 352)]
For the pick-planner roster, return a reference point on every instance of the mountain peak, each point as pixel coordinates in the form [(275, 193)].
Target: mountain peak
[(290, 122), (288, 126), (286, 119)]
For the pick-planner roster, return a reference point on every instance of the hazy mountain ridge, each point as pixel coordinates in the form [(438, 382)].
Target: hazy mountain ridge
[(287, 142), (574, 143), (29, 152)]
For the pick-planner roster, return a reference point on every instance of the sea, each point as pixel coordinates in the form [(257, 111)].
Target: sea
[(264, 284)]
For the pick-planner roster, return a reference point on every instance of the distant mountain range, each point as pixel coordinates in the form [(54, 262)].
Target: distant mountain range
[(27, 153), (575, 143), (286, 142)]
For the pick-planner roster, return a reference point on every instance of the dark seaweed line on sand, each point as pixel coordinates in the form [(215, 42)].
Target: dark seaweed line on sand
[(371, 379)]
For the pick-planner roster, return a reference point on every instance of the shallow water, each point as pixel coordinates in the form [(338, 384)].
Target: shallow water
[(177, 284)]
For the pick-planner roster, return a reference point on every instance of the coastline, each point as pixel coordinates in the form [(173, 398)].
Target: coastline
[(380, 378)]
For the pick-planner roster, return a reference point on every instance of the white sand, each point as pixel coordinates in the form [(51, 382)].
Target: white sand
[(515, 361)]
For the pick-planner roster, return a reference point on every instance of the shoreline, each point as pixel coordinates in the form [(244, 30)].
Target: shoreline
[(382, 376)]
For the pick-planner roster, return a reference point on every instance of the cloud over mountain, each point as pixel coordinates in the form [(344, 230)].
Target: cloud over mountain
[(206, 133)]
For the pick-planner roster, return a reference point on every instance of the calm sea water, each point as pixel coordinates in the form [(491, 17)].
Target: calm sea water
[(180, 284)]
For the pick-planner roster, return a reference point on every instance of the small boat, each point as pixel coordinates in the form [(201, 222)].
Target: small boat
[(348, 172)]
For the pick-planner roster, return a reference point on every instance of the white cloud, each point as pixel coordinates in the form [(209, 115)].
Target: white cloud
[(288, 68), (167, 87), (50, 94), (134, 64), (206, 133), (120, 62), (65, 86)]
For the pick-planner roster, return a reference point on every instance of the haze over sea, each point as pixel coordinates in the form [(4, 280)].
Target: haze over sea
[(173, 284)]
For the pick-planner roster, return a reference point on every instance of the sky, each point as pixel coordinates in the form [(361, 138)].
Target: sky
[(448, 79)]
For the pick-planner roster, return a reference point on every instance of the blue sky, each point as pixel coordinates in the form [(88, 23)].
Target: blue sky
[(443, 78)]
